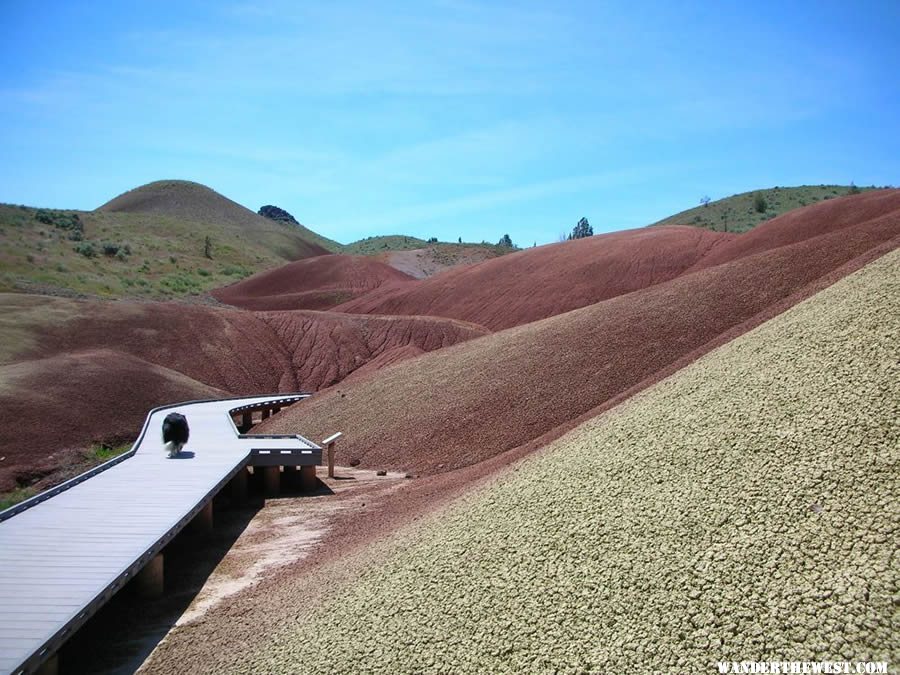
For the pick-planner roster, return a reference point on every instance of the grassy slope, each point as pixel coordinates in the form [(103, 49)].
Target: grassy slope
[(314, 237), (383, 244), (196, 202), (165, 225), (737, 213), (398, 242), (167, 255), (700, 521)]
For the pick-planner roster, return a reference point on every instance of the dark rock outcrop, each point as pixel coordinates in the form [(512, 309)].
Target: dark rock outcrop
[(275, 213)]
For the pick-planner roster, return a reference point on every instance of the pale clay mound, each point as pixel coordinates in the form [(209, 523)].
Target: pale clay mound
[(745, 508)]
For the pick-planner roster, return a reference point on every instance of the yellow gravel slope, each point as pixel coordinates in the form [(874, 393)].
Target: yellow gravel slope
[(744, 509)]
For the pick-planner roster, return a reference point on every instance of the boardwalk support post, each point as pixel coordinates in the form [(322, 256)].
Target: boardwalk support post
[(149, 580), (246, 422), (239, 486), (272, 480), (265, 413), (203, 521), (49, 667), (308, 477), (329, 442)]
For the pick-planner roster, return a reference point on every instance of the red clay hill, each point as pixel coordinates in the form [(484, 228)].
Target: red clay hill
[(515, 389), (195, 202), (67, 402), (96, 368), (536, 283), (314, 283), (582, 325)]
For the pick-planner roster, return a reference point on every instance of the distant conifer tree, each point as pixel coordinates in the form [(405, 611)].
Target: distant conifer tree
[(582, 229)]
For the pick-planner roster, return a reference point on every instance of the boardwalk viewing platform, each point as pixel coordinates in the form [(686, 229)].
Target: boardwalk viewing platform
[(65, 553)]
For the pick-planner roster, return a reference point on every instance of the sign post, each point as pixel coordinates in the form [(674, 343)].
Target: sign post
[(329, 443)]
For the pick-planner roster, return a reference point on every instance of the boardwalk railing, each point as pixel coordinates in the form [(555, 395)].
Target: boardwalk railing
[(65, 552)]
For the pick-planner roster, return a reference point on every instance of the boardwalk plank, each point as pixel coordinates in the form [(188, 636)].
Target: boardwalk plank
[(62, 554)]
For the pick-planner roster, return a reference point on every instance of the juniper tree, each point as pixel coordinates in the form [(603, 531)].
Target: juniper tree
[(582, 229)]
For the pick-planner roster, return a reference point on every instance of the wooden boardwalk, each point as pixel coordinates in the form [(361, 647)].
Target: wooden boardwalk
[(63, 557)]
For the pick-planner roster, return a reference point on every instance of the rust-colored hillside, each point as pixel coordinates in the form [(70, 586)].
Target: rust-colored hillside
[(471, 402), (538, 283), (533, 284), (315, 283), (96, 368)]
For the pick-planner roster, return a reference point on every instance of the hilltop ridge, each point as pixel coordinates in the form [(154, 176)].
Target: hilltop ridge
[(197, 202), (743, 211)]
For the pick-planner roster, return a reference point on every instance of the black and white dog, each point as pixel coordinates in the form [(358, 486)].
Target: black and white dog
[(175, 433)]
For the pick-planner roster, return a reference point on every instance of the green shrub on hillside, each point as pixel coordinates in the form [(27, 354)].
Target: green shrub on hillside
[(64, 221), (85, 248), (110, 248), (759, 204), (235, 271), (180, 283)]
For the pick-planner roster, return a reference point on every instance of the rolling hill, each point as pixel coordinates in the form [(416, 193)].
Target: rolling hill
[(195, 202), (383, 244), (742, 509), (541, 282), (739, 213), (314, 283), (644, 523), (540, 377), (120, 359), (533, 284), (420, 258), (164, 240), (436, 258)]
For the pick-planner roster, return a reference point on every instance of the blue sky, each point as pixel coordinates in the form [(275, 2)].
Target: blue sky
[(448, 119)]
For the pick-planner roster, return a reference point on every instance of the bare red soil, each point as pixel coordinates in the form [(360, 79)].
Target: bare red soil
[(64, 403), (228, 349), (468, 403), (326, 347), (536, 283), (314, 283), (96, 368), (387, 358)]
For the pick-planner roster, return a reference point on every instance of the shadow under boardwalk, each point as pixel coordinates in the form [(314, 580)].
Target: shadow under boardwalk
[(119, 638)]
